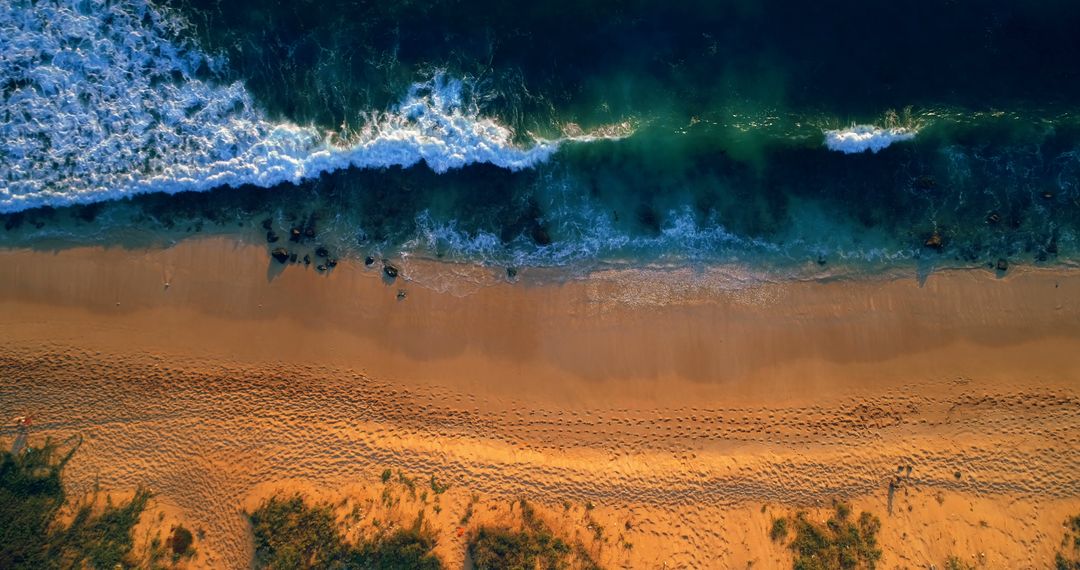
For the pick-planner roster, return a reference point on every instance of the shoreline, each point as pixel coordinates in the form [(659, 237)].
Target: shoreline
[(227, 300), (632, 390)]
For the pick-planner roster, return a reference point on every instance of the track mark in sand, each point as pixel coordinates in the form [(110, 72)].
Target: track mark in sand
[(204, 435)]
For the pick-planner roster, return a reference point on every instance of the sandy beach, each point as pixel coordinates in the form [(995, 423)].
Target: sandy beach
[(697, 408)]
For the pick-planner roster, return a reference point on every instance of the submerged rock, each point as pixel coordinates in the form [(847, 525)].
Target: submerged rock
[(1002, 264), (511, 272), (267, 224), (321, 252), (993, 218), (368, 261), (307, 259), (281, 254), (935, 241), (294, 234), (292, 258), (331, 263), (271, 237), (13, 221), (390, 271), (540, 235)]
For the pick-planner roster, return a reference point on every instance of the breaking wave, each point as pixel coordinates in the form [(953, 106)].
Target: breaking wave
[(861, 138), (589, 234), (104, 100)]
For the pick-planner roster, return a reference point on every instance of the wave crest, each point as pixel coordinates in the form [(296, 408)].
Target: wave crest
[(861, 138), (104, 100)]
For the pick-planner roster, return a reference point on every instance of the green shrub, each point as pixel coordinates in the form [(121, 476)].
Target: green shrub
[(31, 495), (103, 541), (839, 543), (778, 531), (496, 548), (180, 542), (405, 548), (291, 534), (1068, 558), (438, 487), (532, 545), (954, 563)]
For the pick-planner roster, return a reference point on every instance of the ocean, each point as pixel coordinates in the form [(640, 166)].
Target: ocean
[(796, 140)]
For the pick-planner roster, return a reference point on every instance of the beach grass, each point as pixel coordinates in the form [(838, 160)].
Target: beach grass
[(290, 533), (31, 498)]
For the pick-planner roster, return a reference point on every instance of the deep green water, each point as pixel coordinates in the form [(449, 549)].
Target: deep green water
[(719, 108)]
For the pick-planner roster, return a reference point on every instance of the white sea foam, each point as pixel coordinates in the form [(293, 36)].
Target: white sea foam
[(862, 138), (585, 233), (102, 100)]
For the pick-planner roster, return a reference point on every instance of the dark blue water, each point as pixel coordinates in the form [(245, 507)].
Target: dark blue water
[(572, 134)]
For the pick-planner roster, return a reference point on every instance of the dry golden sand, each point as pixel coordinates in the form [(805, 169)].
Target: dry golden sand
[(692, 409)]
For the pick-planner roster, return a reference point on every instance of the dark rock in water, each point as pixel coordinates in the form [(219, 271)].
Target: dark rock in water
[(281, 254), (320, 267), (1048, 195), (321, 252), (369, 260), (935, 241), (540, 235), (511, 272), (925, 182), (292, 258), (390, 271), (1002, 265), (647, 217), (267, 224), (821, 259), (309, 232), (401, 294), (13, 221), (331, 263), (271, 236), (87, 212), (993, 218), (294, 234), (307, 259)]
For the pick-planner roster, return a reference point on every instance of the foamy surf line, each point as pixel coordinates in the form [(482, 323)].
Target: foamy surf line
[(103, 101), (861, 138)]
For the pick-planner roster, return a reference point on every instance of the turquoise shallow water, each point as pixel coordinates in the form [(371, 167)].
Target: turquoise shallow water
[(554, 134)]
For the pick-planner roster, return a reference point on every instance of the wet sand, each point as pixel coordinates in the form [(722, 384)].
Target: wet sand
[(670, 395)]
